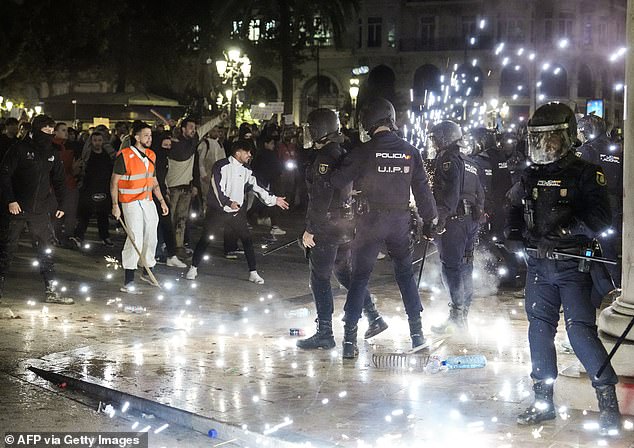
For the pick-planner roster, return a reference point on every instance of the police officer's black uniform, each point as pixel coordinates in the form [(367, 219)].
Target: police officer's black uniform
[(562, 204), (460, 199), (329, 219), (598, 149), (384, 169), (28, 170)]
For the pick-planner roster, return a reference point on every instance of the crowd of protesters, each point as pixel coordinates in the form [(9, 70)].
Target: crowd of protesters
[(183, 155)]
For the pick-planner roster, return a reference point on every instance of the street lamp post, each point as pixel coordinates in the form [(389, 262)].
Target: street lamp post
[(354, 93), (234, 70)]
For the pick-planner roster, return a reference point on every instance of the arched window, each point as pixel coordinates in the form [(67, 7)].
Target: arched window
[(261, 90), (426, 79)]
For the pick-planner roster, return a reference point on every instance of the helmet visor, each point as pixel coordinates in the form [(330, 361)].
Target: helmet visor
[(548, 146), (364, 135), (307, 139)]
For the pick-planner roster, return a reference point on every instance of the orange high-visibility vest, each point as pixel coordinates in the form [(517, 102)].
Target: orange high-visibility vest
[(137, 182)]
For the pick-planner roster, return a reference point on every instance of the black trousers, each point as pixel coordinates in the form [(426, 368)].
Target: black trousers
[(215, 222), (326, 259), (11, 226), (86, 209), (166, 231)]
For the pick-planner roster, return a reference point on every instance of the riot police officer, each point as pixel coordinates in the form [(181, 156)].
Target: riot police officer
[(329, 229), (384, 169), (562, 204), (460, 199), (598, 149), (481, 142)]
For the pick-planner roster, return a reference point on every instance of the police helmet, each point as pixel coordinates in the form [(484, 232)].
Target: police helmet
[(590, 127), (552, 130), (444, 134), (323, 126), (375, 113), (481, 140)]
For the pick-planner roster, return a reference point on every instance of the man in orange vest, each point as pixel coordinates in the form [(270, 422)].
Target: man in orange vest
[(131, 186)]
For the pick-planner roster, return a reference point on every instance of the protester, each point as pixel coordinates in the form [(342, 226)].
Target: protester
[(94, 192), (227, 206), (131, 187), (27, 171)]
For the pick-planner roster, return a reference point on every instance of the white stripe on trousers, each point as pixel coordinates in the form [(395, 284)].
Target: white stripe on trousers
[(142, 220)]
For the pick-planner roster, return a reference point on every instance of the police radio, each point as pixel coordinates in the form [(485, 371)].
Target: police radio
[(591, 250)]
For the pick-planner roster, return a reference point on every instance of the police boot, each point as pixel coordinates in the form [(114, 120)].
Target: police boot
[(376, 324), (52, 296), (609, 415), (456, 321), (322, 339), (416, 331), (542, 408), (350, 349)]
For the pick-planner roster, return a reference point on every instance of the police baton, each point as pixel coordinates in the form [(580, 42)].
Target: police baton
[(422, 260), (619, 341), (569, 255), (283, 246)]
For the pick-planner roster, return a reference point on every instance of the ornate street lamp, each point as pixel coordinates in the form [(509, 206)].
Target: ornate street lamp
[(354, 93), (234, 70)]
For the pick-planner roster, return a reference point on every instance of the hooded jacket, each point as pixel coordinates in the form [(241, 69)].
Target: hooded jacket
[(27, 173)]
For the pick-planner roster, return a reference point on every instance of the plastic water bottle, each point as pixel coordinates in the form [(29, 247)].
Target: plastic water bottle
[(134, 309), (435, 365), (298, 313), (465, 362)]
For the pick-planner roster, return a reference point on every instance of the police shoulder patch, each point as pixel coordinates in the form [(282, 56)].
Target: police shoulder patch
[(323, 168), (601, 179), (446, 166)]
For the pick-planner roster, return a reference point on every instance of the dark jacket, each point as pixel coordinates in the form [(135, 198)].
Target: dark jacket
[(385, 169), (565, 202), (267, 166), (329, 214), (27, 173), (456, 179)]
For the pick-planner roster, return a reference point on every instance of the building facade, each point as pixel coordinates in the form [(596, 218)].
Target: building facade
[(517, 53)]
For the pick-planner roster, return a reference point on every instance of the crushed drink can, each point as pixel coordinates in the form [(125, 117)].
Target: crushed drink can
[(296, 332)]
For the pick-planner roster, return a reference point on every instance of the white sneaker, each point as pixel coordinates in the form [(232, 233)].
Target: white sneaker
[(192, 273), (130, 288), (255, 278), (275, 230), (380, 256), (174, 262)]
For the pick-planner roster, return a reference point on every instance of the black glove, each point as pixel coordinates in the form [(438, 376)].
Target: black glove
[(439, 228), (545, 248), (427, 231)]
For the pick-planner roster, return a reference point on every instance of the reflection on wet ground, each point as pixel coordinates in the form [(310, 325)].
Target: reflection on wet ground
[(220, 347)]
